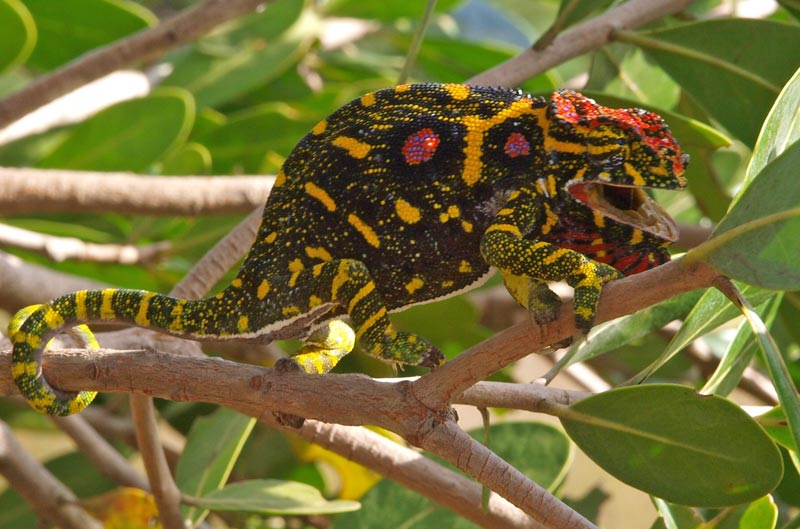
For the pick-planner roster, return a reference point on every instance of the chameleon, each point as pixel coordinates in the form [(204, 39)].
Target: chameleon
[(404, 196)]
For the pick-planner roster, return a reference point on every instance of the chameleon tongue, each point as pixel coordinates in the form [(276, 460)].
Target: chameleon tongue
[(627, 205)]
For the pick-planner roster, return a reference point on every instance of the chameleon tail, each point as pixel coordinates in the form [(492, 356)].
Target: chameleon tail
[(31, 329)]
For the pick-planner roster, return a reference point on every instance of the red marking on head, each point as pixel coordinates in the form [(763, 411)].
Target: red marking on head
[(578, 109), (420, 146), (517, 145)]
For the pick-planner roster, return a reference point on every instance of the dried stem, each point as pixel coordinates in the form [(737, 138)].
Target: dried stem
[(55, 190)]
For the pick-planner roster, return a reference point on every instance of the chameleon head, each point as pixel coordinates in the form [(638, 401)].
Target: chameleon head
[(624, 151)]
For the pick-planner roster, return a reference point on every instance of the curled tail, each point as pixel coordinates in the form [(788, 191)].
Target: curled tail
[(32, 328)]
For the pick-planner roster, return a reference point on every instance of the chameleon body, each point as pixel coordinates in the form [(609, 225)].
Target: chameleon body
[(404, 196)]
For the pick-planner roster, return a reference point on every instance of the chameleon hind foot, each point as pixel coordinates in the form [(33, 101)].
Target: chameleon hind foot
[(403, 347)]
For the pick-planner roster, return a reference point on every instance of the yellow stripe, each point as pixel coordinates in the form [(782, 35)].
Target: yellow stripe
[(80, 305), (509, 228), (318, 253), (320, 127), (340, 279), (52, 318), (106, 310), (637, 177), (407, 213), (555, 255), (361, 294), (141, 316), (321, 195), (414, 285), (552, 144), (356, 149), (176, 317), (367, 232), (372, 320), (637, 236)]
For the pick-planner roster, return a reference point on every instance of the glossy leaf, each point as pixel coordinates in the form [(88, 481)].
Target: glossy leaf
[(760, 514), (18, 36), (272, 496), (129, 136), (719, 57), (69, 28), (677, 445), (212, 447), (255, 50)]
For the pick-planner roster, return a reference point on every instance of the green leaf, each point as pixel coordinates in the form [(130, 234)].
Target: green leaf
[(756, 241), (188, 159), (724, 68), (18, 36), (675, 444), (257, 49), (212, 447), (712, 310), (272, 496), (760, 514), (774, 423), (676, 516), (386, 10), (69, 28), (129, 136)]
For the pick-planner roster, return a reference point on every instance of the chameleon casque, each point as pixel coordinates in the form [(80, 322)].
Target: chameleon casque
[(404, 196)]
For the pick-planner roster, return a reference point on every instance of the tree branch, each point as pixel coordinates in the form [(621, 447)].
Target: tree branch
[(143, 45), (578, 40), (59, 191)]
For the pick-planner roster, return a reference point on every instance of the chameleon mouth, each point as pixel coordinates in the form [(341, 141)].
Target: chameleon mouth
[(628, 205)]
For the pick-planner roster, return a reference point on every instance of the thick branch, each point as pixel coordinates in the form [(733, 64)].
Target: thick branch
[(578, 40), (146, 44), (57, 191)]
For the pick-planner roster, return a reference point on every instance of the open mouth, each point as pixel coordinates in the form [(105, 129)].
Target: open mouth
[(628, 205)]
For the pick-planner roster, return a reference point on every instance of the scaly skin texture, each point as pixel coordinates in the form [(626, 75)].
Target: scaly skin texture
[(404, 196)]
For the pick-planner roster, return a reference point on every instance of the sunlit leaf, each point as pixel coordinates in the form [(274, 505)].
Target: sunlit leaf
[(271, 496), (18, 36)]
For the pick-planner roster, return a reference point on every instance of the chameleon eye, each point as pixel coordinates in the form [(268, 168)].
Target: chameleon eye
[(420, 146), (517, 145)]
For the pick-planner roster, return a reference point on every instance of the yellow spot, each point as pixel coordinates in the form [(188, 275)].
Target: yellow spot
[(444, 217), (314, 301), (459, 92), (321, 195), (356, 149), (599, 219), (295, 267), (318, 253), (505, 211), (407, 213), (466, 226), (243, 324), (635, 175), (551, 186), (658, 170), (291, 310), (52, 318), (368, 100), (637, 236), (316, 270), (464, 267), (33, 340), (340, 279), (368, 233), (106, 310), (271, 237), (371, 321), (414, 285), (263, 289), (402, 88), (509, 228), (447, 284), (320, 127), (141, 316), (280, 179), (236, 283), (365, 291), (80, 305), (453, 211)]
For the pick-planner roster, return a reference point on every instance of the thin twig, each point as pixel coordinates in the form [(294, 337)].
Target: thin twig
[(60, 191), (579, 39), (47, 495), (146, 44), (61, 249)]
